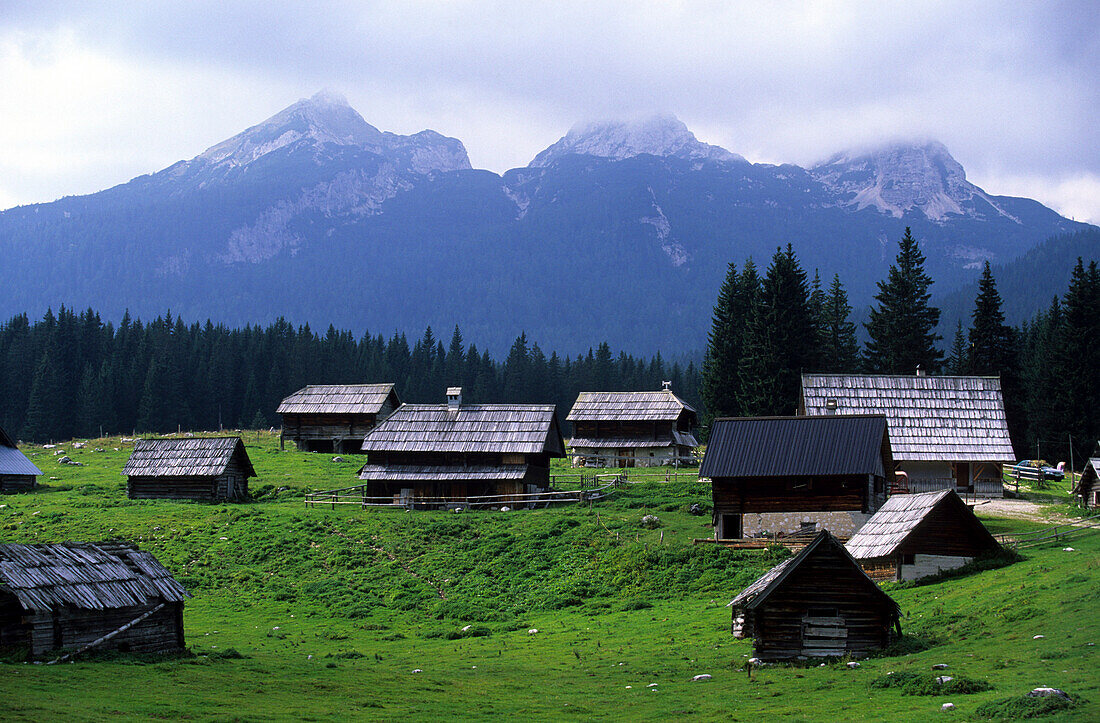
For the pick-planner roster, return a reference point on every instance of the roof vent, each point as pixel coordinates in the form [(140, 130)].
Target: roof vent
[(454, 397), (667, 386), (831, 405), (920, 372)]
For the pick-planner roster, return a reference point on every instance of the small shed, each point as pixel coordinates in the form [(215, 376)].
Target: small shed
[(455, 451), (947, 432), (17, 473), (68, 596), (207, 469), (1087, 488), (628, 429), (916, 535), (335, 417), (816, 604), (786, 475)]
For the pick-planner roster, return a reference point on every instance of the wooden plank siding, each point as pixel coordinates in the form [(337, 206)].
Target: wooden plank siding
[(804, 494), (17, 482)]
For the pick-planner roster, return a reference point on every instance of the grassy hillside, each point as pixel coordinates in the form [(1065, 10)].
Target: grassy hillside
[(331, 612)]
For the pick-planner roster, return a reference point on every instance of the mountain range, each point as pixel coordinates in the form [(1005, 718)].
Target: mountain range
[(618, 232)]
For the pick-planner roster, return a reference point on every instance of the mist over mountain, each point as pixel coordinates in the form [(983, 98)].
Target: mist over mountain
[(620, 231)]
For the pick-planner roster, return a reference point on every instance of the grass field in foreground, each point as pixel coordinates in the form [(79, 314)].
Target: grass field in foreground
[(333, 611)]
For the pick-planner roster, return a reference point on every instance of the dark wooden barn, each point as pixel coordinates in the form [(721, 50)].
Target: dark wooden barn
[(1087, 488), (946, 432), (457, 451), (66, 597), (816, 604), (335, 417), (785, 475), (208, 469), (916, 535), (17, 473), (628, 429)]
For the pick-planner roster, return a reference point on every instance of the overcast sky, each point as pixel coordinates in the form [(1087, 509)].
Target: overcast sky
[(95, 93)]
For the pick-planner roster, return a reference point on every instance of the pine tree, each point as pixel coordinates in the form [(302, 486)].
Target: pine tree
[(839, 348), (957, 358), (720, 381), (991, 350), (1076, 357), (901, 327), (45, 405)]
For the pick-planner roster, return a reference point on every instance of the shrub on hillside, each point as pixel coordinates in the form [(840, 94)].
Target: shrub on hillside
[(1019, 707)]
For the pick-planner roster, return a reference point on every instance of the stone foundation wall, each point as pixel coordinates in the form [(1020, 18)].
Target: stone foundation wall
[(925, 565), (841, 524)]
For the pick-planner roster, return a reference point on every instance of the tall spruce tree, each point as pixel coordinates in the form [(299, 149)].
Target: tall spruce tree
[(839, 348), (901, 327), (781, 341), (1076, 357), (957, 357), (723, 352), (993, 351)]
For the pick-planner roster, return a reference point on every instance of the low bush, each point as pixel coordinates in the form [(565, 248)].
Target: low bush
[(912, 683), (1020, 707)]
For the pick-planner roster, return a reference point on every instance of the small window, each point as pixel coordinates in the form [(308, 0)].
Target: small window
[(910, 559), (808, 527)]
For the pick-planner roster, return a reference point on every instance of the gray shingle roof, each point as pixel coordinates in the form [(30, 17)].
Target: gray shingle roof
[(92, 576), (490, 428), (440, 473), (931, 418), (757, 592), (677, 437), (893, 523), (338, 399), (796, 446), (660, 406), (194, 457), (12, 461)]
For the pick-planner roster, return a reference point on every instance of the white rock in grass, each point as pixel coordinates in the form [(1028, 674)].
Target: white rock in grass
[(467, 628), (417, 670), (853, 665), (947, 706), (704, 676), (506, 508), (944, 679), (1038, 637), (755, 661), (1045, 692), (1067, 549), (532, 631), (652, 685), (939, 666)]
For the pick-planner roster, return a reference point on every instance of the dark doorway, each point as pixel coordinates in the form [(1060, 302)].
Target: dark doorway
[(730, 527)]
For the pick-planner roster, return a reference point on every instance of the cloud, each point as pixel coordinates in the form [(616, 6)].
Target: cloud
[(128, 87)]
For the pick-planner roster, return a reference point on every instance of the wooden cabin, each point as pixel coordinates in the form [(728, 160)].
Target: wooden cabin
[(818, 603), (947, 432), (66, 597), (789, 475), (17, 473), (916, 535), (207, 469), (632, 429), (1087, 488), (335, 417), (457, 451)]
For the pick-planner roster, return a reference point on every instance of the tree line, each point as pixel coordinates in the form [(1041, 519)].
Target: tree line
[(72, 375), (768, 330)]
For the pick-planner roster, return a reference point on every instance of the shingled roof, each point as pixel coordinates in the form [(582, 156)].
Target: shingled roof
[(958, 419), (92, 576), (897, 524), (193, 457), (440, 473), (797, 446), (12, 461), (339, 399), (491, 428), (758, 591), (660, 406)]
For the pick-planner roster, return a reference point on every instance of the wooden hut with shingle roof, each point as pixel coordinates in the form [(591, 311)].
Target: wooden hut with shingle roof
[(71, 595), (784, 475), (627, 429), (1087, 488), (335, 417), (456, 450), (947, 432), (17, 473), (200, 468), (916, 535), (818, 603)]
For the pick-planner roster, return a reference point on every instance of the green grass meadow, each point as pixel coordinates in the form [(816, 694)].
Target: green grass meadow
[(320, 614)]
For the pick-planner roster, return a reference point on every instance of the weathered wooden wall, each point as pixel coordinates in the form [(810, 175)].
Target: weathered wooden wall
[(69, 628), (16, 482), (341, 433)]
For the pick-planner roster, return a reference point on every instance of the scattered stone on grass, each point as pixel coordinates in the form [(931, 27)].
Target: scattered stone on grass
[(853, 665), (338, 459), (704, 676), (506, 509), (944, 679), (1037, 637), (947, 707), (1067, 549), (651, 522), (417, 670), (652, 685), (939, 666), (532, 631), (1045, 692), (467, 628), (696, 509)]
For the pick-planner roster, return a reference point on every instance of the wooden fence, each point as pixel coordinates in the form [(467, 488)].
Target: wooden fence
[(1057, 533)]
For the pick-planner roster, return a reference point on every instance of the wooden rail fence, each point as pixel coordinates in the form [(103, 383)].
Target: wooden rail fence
[(1057, 533)]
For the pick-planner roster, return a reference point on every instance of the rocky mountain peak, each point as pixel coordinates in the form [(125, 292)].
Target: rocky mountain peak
[(898, 177), (658, 135)]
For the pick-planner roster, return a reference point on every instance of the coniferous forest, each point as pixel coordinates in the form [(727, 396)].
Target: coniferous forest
[(72, 374)]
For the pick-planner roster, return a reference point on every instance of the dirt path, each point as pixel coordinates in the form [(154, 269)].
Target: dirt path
[(1019, 510)]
